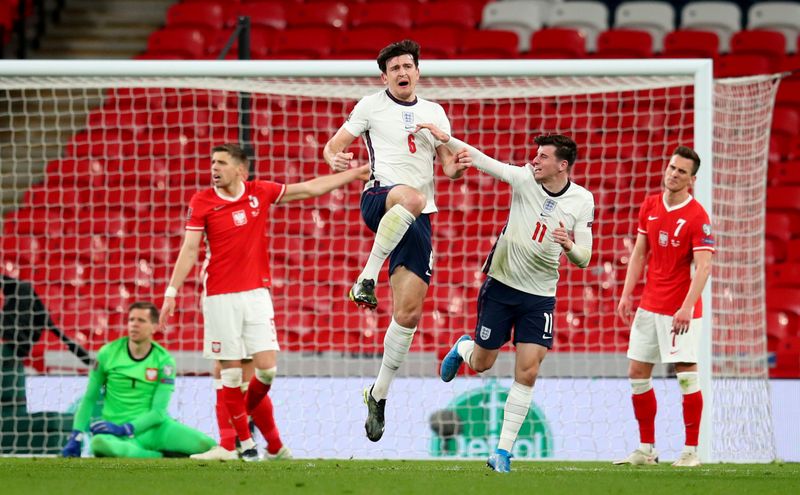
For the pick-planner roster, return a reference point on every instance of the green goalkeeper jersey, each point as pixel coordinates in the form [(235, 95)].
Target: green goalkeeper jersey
[(136, 391)]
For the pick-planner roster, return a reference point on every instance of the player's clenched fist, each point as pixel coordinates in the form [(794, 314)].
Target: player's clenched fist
[(341, 161)]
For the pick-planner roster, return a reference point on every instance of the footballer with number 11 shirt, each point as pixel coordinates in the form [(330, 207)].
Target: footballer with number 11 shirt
[(237, 306), (674, 232)]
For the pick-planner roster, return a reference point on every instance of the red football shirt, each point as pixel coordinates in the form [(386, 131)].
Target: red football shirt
[(235, 236), (673, 234)]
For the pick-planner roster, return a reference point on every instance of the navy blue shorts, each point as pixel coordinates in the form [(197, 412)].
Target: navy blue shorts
[(415, 248), (501, 307)]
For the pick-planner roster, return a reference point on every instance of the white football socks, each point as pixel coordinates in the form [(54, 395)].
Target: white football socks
[(395, 348), (391, 229), (464, 349), (514, 413)]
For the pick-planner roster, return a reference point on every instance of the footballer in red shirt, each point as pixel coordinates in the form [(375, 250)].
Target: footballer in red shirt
[(674, 233), (237, 306)]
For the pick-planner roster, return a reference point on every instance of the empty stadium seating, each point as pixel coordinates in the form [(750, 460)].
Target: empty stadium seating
[(656, 17), (85, 230)]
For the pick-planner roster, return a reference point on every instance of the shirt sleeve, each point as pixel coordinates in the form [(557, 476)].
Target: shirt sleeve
[(161, 397), (358, 121), (195, 217), (443, 123), (97, 378), (702, 238), (643, 212), (499, 170), (581, 252), (274, 191)]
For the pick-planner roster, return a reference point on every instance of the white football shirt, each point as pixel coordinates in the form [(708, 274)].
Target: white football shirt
[(525, 255), (396, 153)]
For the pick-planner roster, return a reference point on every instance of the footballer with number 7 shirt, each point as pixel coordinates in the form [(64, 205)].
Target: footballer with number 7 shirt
[(674, 231), (237, 306)]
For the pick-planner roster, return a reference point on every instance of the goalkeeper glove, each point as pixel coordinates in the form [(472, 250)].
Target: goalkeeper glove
[(109, 428), (73, 446)]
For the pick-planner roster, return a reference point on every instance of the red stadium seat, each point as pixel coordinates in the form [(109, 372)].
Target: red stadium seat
[(383, 15), (450, 14), (202, 15), (782, 225), (185, 42), (557, 43), (265, 14), (783, 275), (775, 250), (101, 143), (363, 42), (54, 197), (304, 43), (788, 95), (691, 44), (741, 65), (769, 44), (317, 15), (437, 42), (784, 299), (784, 198), (624, 43), (260, 43), (792, 250), (22, 249), (785, 127), (491, 44), (785, 173)]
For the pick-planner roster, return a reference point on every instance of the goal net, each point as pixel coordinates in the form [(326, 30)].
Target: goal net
[(99, 164)]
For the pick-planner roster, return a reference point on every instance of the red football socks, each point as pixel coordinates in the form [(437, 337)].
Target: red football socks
[(644, 408)]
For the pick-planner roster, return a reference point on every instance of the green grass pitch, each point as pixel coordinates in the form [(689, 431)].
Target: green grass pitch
[(31, 476)]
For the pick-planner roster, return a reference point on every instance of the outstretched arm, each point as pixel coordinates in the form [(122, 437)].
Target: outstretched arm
[(482, 162), (325, 184)]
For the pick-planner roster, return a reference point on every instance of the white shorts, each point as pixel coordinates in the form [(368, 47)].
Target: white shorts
[(238, 325), (652, 340)]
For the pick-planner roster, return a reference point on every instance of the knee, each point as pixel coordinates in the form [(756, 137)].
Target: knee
[(481, 362), (408, 318), (231, 377), (411, 199), (527, 376), (100, 447), (266, 376), (638, 372)]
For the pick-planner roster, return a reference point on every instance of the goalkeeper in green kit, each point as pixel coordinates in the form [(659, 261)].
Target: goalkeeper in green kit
[(139, 377)]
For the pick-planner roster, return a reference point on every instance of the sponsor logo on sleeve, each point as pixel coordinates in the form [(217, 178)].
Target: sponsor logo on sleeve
[(707, 229), (189, 214)]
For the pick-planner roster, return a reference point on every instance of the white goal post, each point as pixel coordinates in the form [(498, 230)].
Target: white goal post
[(609, 105)]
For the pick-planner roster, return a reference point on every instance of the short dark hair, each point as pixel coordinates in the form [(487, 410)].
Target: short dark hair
[(689, 154), (236, 152), (405, 47), (566, 149), (148, 306)]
